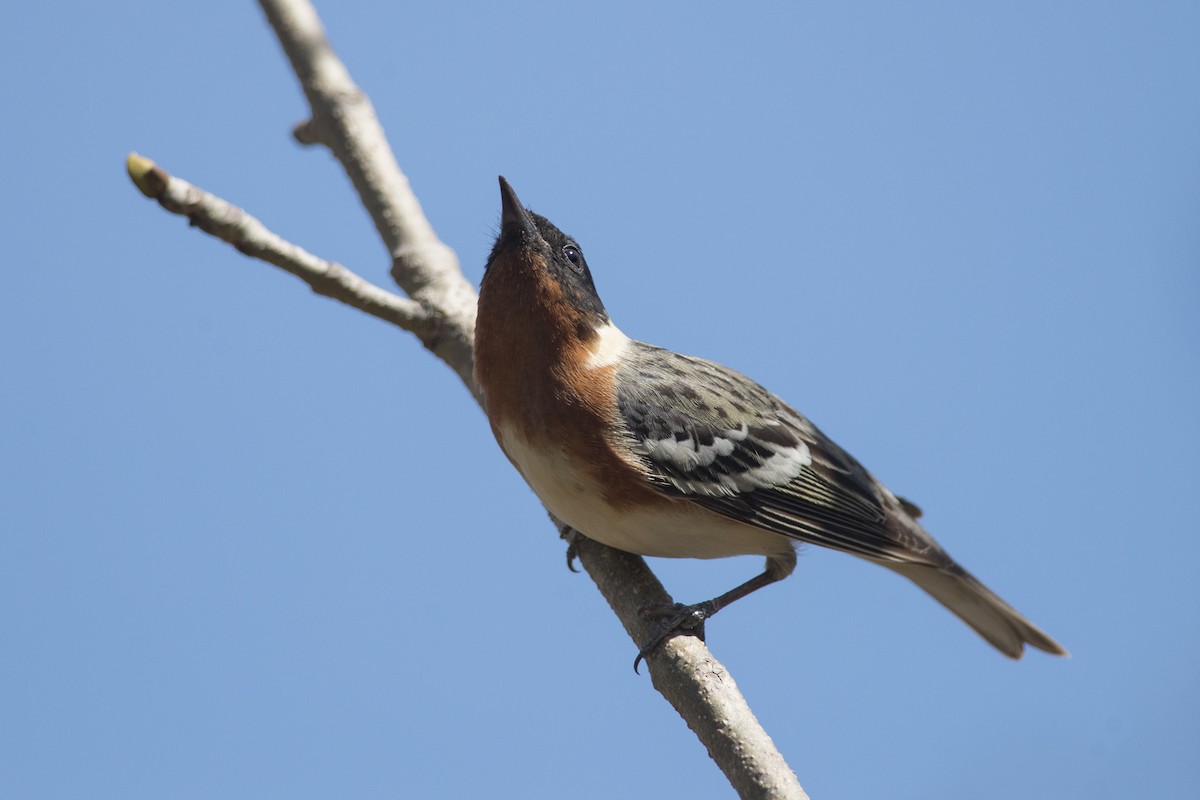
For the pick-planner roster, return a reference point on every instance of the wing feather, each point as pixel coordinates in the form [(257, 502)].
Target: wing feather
[(713, 436)]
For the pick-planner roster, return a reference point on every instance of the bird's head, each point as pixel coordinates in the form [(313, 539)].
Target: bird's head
[(535, 265)]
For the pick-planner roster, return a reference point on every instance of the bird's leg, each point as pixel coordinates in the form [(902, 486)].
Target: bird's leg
[(679, 618)]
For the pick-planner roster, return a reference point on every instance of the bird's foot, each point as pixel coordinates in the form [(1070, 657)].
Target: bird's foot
[(571, 536), (676, 618)]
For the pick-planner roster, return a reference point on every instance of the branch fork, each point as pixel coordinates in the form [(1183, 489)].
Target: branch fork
[(439, 310)]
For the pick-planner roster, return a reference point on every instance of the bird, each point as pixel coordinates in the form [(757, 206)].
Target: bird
[(662, 454)]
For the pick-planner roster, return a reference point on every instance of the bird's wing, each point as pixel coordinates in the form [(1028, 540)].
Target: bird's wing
[(713, 436)]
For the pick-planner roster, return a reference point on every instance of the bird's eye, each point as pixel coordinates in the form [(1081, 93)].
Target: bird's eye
[(572, 254)]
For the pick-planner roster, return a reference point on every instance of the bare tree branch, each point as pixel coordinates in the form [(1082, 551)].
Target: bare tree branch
[(693, 681), (442, 314), (344, 120)]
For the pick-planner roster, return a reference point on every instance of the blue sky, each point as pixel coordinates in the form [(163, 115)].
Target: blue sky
[(256, 544)]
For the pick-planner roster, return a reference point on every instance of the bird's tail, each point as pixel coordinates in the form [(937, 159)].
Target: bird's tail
[(978, 606)]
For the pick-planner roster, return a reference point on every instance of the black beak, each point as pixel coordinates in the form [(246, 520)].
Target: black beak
[(513, 216)]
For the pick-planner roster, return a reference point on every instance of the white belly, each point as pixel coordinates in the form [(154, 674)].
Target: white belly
[(677, 529)]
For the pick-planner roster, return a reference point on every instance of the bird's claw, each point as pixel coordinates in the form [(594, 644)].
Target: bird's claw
[(572, 538), (677, 619)]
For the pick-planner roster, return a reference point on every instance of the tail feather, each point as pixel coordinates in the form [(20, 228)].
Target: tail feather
[(978, 606)]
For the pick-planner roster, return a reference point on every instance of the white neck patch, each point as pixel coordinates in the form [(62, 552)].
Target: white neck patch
[(610, 348)]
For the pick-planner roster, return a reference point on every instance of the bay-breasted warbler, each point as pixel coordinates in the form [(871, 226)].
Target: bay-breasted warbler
[(662, 454)]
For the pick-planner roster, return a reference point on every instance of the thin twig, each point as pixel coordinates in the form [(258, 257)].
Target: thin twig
[(249, 235)]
